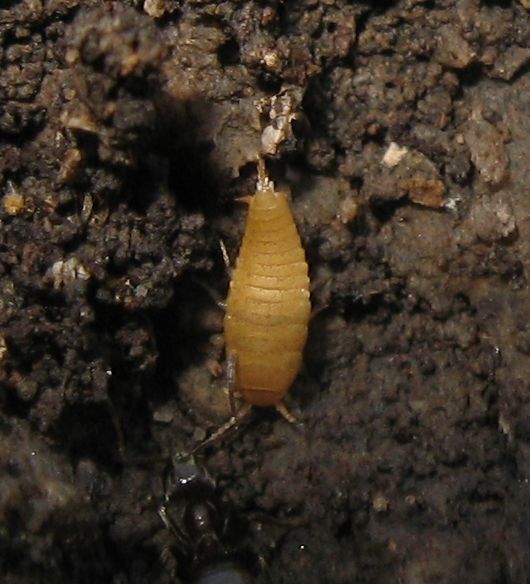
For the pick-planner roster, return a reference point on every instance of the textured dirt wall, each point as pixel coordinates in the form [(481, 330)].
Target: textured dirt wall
[(127, 131)]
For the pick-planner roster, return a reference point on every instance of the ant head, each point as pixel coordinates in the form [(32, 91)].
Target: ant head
[(184, 478)]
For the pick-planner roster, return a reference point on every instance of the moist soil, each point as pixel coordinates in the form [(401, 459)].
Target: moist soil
[(127, 132)]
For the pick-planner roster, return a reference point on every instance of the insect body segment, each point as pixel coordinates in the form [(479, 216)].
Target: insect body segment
[(268, 307)]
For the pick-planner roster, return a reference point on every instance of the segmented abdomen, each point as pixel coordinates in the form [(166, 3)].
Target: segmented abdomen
[(268, 305)]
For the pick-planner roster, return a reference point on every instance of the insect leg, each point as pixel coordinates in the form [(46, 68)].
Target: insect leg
[(213, 294), (226, 257), (233, 425), (231, 363), (239, 414), (171, 526), (318, 310), (286, 414), (168, 561)]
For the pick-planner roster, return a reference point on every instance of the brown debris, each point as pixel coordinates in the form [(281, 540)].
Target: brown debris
[(428, 192), (487, 151), (510, 62)]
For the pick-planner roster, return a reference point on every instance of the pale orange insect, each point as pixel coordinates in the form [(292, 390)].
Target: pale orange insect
[(268, 306)]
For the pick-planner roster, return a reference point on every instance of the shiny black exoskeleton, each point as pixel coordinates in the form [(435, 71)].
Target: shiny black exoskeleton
[(206, 534)]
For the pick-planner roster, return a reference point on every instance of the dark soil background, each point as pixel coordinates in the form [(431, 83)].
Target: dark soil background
[(127, 129)]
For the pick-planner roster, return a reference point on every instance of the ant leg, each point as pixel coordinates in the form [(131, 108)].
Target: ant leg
[(171, 526), (168, 561), (233, 425)]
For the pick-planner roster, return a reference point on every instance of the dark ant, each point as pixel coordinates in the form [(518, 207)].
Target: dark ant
[(205, 532)]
